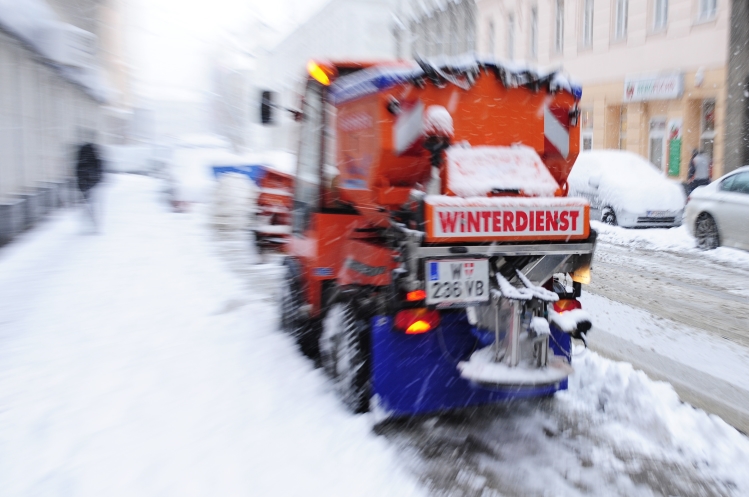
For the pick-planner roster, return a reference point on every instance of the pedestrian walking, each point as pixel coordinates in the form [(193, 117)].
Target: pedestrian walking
[(699, 170), (88, 173)]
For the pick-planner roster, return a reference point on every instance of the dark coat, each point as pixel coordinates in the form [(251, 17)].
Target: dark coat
[(89, 167)]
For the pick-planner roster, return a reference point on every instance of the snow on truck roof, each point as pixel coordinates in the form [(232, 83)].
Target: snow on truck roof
[(477, 171), (384, 76)]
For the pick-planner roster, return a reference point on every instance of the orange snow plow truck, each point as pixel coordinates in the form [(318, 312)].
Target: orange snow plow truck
[(435, 260)]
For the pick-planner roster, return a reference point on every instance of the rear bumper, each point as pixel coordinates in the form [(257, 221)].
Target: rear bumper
[(642, 220), (418, 374)]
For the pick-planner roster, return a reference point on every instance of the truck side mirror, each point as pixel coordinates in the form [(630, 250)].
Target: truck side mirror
[(594, 181), (266, 107)]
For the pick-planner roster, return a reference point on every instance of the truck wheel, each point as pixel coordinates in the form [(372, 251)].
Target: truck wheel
[(344, 353), (304, 330), (706, 232), (608, 216)]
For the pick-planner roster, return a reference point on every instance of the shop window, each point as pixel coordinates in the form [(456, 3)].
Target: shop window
[(707, 127), (656, 139), (586, 125), (621, 11), (623, 128)]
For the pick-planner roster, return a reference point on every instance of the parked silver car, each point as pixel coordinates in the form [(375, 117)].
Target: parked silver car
[(718, 214), (625, 189)]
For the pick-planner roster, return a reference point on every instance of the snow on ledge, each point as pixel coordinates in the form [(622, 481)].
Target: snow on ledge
[(482, 368), (477, 171)]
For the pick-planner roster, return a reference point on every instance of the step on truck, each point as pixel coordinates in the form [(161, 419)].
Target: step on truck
[(435, 258)]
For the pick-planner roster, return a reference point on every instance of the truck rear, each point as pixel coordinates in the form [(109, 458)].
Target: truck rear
[(435, 259)]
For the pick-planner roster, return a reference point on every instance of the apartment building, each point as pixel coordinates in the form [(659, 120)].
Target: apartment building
[(340, 30), (653, 71), (52, 91), (429, 28)]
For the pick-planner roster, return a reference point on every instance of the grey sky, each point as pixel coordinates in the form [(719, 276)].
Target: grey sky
[(170, 40)]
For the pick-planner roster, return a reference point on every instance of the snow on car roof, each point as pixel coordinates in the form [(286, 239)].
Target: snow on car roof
[(626, 181), (513, 74)]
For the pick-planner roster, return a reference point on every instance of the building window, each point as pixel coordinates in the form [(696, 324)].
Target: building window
[(470, 30), (453, 32), (534, 33), (660, 16), (707, 127), (438, 38), (708, 9), (620, 19), (657, 136), (559, 27), (511, 36), (588, 23), (397, 35), (586, 134), (623, 128), (492, 38)]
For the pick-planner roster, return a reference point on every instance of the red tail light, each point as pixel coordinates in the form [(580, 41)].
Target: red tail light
[(567, 305), (417, 321), (416, 295)]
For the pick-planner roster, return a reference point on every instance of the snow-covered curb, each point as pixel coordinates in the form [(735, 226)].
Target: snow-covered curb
[(677, 240)]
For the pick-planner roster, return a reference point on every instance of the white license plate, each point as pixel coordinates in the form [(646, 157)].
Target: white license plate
[(657, 214), (457, 281)]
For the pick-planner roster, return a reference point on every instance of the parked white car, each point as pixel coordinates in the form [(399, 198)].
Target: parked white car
[(718, 214), (625, 189)]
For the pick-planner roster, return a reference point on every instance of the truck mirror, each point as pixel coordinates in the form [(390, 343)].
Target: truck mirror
[(266, 107)]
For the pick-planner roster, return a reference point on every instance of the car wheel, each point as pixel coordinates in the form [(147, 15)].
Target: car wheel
[(344, 353), (706, 232), (304, 330), (608, 216)]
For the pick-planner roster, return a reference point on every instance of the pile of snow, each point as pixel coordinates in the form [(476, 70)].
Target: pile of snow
[(234, 202), (30, 20), (36, 23), (639, 421), (477, 171), (626, 181), (670, 240)]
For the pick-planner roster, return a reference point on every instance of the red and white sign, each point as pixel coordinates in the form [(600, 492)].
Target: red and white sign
[(556, 131), (477, 221), (554, 220)]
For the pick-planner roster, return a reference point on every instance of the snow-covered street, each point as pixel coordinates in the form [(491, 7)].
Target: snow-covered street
[(134, 362), (147, 360)]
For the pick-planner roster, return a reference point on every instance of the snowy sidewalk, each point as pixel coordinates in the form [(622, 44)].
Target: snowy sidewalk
[(678, 314), (134, 362)]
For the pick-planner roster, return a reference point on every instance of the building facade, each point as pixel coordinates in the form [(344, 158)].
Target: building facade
[(342, 29), (430, 28), (52, 92), (653, 71)]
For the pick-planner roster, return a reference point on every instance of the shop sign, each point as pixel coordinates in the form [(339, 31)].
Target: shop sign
[(658, 87), (674, 146)]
